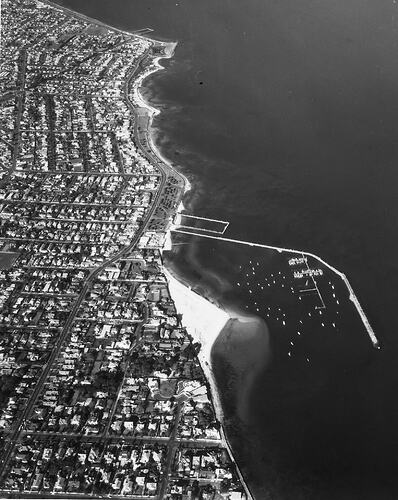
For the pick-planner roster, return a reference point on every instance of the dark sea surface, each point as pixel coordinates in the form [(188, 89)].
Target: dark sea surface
[(284, 115)]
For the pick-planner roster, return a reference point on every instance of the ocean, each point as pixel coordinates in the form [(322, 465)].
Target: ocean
[(284, 116)]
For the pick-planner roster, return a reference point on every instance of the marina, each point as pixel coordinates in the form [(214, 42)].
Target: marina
[(306, 277)]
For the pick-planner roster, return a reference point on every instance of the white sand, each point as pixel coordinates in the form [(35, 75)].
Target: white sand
[(204, 322)]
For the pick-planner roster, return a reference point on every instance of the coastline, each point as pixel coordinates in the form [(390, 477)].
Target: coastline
[(191, 305), (152, 112)]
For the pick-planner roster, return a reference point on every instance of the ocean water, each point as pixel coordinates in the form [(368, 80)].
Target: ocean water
[(284, 115)]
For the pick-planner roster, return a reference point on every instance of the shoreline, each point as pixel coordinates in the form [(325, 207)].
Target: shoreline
[(179, 292), (152, 112)]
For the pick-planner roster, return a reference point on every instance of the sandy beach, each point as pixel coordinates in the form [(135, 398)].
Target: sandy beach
[(204, 322)]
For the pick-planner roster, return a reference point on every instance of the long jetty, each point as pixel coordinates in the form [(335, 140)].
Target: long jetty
[(353, 297)]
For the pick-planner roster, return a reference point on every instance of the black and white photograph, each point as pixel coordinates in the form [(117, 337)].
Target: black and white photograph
[(199, 249)]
